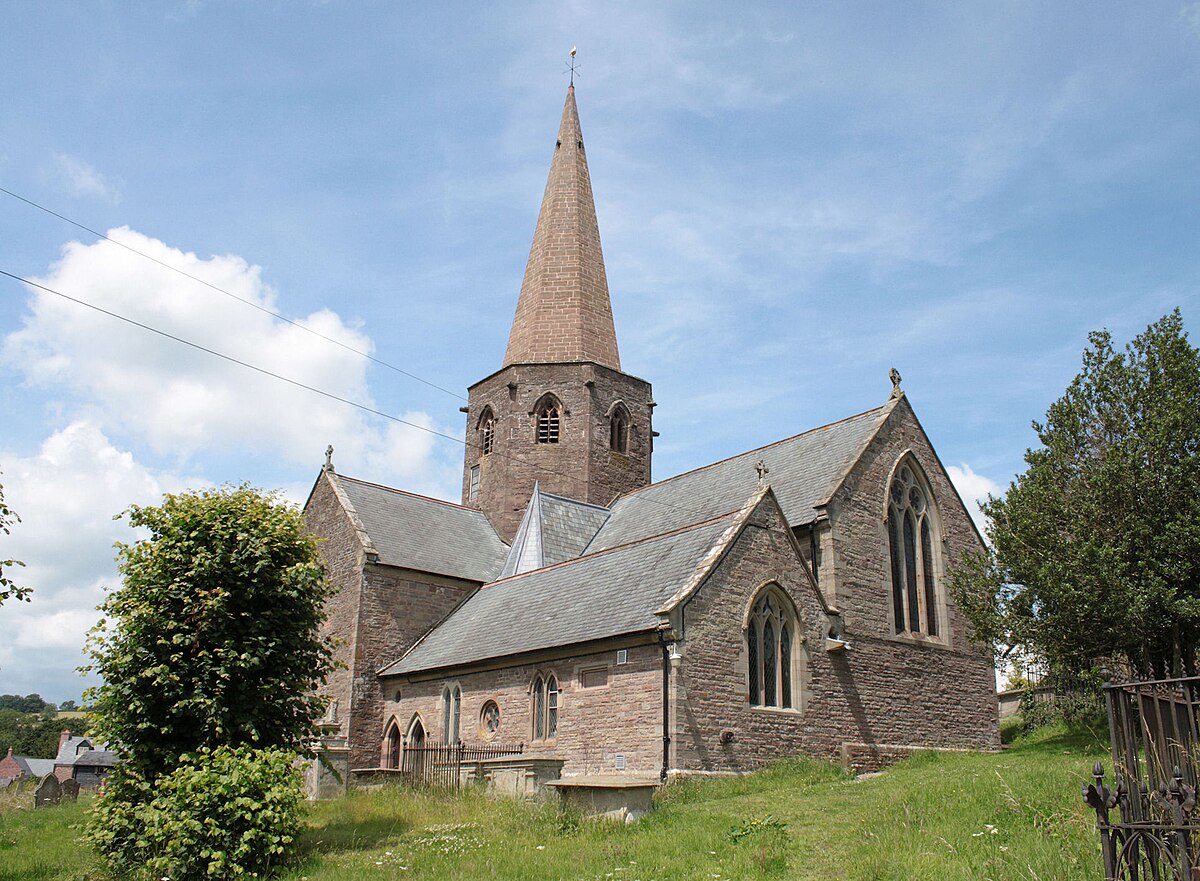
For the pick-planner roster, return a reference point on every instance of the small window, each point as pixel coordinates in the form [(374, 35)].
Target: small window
[(451, 711), (622, 656), (544, 706), (594, 678), (548, 414), (487, 431), (618, 430), (489, 719), (473, 494)]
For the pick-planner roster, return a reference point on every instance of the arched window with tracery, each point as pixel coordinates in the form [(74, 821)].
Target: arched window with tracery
[(618, 429), (451, 713), (544, 707), (487, 431), (912, 525), (770, 650), (548, 414)]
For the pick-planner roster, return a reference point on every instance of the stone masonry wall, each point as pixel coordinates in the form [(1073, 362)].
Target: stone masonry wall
[(580, 466), (880, 691), (377, 613), (595, 725), (342, 553)]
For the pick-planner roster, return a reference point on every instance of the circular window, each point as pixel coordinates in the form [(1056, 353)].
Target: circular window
[(489, 719)]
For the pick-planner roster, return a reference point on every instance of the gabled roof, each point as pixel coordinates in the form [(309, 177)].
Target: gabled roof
[(35, 767), (70, 748), (417, 532), (803, 470), (96, 758), (553, 529), (601, 595)]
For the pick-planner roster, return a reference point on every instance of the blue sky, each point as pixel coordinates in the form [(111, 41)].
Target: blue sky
[(792, 198)]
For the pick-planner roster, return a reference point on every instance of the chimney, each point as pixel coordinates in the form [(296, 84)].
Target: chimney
[(64, 737)]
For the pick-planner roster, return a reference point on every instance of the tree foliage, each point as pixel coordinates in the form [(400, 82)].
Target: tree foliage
[(1094, 551), (228, 812), (8, 588), (213, 638), (34, 734)]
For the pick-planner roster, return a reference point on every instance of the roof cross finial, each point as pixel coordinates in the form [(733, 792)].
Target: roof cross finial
[(572, 66), (329, 458), (895, 376), (761, 467)]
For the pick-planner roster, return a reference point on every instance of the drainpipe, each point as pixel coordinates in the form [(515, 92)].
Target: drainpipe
[(666, 707)]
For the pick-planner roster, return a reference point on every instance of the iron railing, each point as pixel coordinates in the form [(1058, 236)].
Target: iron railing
[(441, 764), (1154, 728)]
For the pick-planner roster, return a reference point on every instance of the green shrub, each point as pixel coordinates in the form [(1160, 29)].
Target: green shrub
[(230, 812)]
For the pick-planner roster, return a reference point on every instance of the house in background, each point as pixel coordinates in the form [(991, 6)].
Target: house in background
[(791, 599)]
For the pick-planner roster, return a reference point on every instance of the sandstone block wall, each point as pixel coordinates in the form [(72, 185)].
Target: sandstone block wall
[(580, 466), (595, 725)]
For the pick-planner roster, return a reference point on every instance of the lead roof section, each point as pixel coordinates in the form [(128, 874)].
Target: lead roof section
[(803, 470), (593, 597), (417, 532)]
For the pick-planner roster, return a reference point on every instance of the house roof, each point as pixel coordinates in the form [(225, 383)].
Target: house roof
[(35, 767), (96, 758), (71, 747), (593, 597), (803, 470), (417, 532)]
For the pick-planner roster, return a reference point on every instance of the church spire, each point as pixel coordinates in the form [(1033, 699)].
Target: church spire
[(564, 313)]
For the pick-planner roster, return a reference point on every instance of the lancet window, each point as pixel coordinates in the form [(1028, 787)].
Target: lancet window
[(618, 429), (487, 431), (548, 414), (451, 714), (544, 707)]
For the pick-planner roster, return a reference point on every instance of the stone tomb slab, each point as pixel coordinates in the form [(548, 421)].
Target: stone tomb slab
[(609, 796)]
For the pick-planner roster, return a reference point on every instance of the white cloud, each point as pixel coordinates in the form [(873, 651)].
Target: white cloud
[(974, 488), (184, 403), (66, 494), (79, 178)]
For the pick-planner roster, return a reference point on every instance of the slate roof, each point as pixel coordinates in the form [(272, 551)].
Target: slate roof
[(70, 748), (803, 472), (553, 529), (592, 597), (35, 767), (96, 758), (426, 534)]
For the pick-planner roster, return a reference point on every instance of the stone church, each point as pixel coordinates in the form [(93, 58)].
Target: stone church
[(791, 599)]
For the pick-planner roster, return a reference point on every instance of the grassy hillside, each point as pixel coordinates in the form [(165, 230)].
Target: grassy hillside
[(1013, 815)]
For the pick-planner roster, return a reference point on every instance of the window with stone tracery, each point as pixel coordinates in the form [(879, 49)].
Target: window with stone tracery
[(912, 541), (451, 713), (544, 707), (618, 430), (548, 413), (487, 431), (770, 650)]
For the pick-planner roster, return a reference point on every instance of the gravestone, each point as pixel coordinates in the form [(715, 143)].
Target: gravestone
[(49, 792), (70, 788)]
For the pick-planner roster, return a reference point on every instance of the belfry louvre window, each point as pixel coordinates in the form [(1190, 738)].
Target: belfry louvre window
[(547, 422), (910, 525), (487, 432), (770, 637)]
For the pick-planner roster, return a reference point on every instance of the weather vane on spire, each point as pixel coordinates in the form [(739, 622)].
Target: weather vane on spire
[(572, 66)]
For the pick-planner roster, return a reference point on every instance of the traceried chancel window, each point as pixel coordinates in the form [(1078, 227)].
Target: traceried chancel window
[(911, 538), (770, 638)]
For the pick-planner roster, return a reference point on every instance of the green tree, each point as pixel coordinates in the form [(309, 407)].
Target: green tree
[(213, 638), (8, 588), (1094, 550)]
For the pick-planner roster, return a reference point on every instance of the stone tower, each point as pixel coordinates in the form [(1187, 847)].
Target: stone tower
[(559, 410)]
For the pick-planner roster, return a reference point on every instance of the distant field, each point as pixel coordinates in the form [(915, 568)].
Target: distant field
[(1012, 815)]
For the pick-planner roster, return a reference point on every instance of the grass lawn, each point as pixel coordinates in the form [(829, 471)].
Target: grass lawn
[(1011, 815)]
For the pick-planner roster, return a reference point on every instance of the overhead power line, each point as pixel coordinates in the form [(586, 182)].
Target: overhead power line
[(302, 385), (231, 295)]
